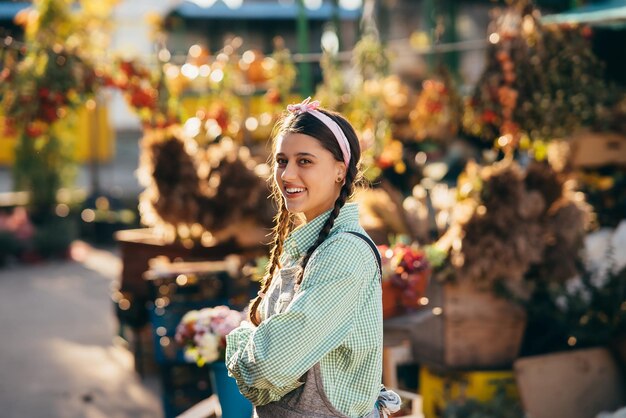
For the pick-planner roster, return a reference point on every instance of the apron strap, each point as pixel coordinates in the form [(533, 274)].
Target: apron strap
[(374, 248)]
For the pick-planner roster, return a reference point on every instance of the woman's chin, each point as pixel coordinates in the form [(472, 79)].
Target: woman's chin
[(293, 208)]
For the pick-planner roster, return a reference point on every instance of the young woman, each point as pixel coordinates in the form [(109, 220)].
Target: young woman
[(313, 343)]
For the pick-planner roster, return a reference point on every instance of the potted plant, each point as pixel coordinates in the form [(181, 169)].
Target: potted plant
[(202, 333), (573, 325), (509, 227), (406, 273)]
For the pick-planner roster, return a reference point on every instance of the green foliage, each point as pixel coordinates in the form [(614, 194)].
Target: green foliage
[(585, 313), (370, 57), (46, 80), (42, 166), (500, 406), (596, 313)]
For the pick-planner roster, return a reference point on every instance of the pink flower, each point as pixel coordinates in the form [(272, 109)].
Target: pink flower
[(203, 332)]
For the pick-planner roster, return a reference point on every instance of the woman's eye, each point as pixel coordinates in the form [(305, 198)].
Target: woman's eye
[(304, 161), (281, 161)]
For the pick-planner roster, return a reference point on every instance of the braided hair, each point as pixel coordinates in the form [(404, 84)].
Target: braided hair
[(308, 124)]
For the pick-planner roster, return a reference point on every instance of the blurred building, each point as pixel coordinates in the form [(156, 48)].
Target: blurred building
[(418, 33)]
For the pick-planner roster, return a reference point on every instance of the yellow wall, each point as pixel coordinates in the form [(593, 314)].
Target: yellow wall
[(79, 133)]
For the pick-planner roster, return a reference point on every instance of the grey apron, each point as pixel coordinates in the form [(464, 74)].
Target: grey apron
[(308, 400)]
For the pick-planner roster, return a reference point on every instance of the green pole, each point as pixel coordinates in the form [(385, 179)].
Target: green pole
[(452, 57), (382, 10), (302, 29), (574, 4), (431, 23)]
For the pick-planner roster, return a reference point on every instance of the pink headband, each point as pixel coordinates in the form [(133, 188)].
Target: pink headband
[(311, 107)]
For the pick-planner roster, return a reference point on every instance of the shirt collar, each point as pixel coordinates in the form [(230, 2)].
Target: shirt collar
[(300, 239)]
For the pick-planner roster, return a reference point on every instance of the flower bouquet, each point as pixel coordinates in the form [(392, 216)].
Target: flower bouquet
[(203, 333)]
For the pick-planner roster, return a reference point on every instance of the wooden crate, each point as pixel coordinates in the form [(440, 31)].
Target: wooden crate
[(138, 246), (467, 328), (575, 384), (596, 149), (413, 402)]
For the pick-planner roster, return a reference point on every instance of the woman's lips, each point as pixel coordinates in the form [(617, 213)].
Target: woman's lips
[(293, 192)]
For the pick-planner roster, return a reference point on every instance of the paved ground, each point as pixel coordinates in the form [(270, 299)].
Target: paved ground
[(57, 351)]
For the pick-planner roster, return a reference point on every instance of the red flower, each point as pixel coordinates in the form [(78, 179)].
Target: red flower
[(33, 130), (220, 114), (411, 273), (489, 116), (5, 75), (9, 127), (49, 113), (108, 81), (273, 96), (143, 98), (434, 107), (127, 68)]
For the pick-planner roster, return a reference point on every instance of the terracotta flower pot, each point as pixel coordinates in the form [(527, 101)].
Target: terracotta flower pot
[(391, 300)]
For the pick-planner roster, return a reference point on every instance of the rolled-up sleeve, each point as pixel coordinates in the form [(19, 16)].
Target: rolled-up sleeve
[(269, 360)]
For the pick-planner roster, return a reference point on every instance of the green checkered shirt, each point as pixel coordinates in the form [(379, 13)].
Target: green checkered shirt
[(335, 319)]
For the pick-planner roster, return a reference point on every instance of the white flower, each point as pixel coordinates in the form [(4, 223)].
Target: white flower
[(191, 355), (208, 347), (191, 316), (561, 303), (597, 247), (575, 286), (619, 244)]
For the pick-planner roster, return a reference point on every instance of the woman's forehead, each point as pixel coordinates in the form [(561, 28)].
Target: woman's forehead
[(294, 143)]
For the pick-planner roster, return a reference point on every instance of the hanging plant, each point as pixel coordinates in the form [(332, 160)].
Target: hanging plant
[(540, 83), (436, 113)]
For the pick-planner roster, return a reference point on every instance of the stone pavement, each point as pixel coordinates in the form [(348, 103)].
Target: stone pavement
[(57, 352)]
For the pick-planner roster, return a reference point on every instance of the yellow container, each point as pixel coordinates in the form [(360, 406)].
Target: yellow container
[(438, 389), (85, 131)]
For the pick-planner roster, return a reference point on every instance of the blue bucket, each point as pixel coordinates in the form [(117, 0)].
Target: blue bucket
[(233, 403)]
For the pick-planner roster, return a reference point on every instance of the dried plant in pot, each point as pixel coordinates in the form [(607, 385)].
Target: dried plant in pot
[(518, 223), (205, 194), (509, 226)]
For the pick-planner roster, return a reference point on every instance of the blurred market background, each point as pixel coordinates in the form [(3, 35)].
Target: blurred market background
[(133, 162)]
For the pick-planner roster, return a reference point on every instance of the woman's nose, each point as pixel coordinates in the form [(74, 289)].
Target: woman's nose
[(288, 172)]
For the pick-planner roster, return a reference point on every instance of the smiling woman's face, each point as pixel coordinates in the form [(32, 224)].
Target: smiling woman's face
[(306, 174)]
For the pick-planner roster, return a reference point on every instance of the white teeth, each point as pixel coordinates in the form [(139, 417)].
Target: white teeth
[(289, 190)]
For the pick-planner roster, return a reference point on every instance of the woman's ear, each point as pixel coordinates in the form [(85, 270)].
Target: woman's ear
[(340, 171)]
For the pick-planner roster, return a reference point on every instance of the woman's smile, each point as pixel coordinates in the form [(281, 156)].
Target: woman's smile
[(292, 192)]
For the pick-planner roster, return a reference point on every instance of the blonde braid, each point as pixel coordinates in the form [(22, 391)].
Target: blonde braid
[(281, 229)]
